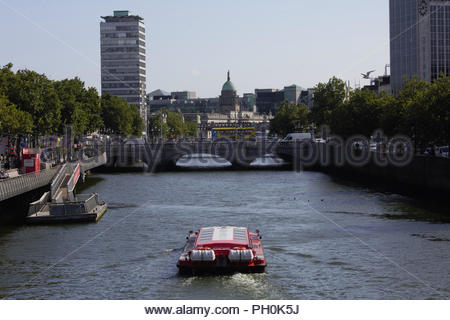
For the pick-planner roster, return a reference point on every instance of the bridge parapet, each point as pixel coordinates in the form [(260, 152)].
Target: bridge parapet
[(12, 187), (156, 155)]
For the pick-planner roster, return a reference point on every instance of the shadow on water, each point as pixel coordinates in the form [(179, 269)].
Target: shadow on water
[(408, 203), (89, 182)]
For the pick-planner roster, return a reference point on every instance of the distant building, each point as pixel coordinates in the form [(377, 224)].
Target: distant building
[(268, 100), (419, 40), (292, 93), (183, 95), (198, 105), (248, 102), (229, 100), (159, 95), (307, 97), (380, 84), (123, 68)]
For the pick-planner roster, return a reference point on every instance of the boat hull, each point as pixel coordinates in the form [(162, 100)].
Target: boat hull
[(189, 270)]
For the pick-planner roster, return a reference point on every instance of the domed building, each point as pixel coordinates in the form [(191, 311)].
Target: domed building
[(228, 100)]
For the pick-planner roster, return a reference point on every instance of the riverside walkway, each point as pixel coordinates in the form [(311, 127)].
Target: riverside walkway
[(13, 187)]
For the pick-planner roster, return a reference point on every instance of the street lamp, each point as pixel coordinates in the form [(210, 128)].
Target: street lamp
[(163, 119)]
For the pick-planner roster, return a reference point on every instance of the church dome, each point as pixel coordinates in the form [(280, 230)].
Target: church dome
[(228, 86)]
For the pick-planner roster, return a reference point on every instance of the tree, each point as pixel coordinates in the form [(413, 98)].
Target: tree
[(438, 96), (121, 118), (35, 94), (426, 108), (157, 125), (327, 97), (360, 115), (190, 129), (137, 122), (289, 118), (391, 114), (80, 107), (6, 74), (12, 120), (92, 106), (174, 126), (116, 117)]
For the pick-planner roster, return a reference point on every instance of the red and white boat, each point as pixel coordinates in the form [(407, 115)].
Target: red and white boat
[(222, 249)]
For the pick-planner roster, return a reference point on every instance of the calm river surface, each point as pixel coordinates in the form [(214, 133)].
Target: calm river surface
[(324, 239)]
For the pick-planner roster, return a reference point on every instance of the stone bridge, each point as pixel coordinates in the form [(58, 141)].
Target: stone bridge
[(165, 155)]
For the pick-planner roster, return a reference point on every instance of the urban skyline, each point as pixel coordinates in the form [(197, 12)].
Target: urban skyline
[(299, 50)]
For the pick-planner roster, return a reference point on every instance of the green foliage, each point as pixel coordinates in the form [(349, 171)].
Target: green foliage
[(426, 112), (289, 118), (53, 105), (359, 115), (12, 120), (137, 125), (35, 93), (174, 127), (80, 107), (190, 129), (115, 116), (327, 97), (119, 117), (421, 111)]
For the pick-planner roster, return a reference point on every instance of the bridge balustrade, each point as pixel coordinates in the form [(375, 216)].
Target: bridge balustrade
[(12, 187)]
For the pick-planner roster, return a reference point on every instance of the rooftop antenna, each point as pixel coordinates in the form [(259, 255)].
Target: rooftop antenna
[(347, 90)]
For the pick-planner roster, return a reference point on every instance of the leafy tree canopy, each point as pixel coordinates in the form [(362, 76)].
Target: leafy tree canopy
[(290, 118)]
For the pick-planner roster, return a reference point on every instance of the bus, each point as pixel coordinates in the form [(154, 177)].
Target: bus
[(240, 134)]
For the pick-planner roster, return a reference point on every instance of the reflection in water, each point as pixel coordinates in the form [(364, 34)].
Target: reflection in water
[(202, 161), (269, 160), (213, 161)]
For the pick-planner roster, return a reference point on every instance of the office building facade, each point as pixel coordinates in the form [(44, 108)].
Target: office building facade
[(292, 93), (123, 51), (419, 40), (268, 100)]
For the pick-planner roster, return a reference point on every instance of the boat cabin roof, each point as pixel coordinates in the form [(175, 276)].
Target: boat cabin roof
[(229, 236)]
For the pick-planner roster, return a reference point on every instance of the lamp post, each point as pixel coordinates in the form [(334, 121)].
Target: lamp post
[(163, 119)]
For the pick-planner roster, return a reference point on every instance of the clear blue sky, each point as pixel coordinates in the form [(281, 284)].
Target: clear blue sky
[(191, 44)]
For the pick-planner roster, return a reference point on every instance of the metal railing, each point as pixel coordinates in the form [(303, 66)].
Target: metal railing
[(75, 176), (12, 187), (58, 180), (37, 206), (93, 162)]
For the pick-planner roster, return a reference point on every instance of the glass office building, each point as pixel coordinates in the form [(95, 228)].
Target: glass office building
[(123, 68), (419, 40)]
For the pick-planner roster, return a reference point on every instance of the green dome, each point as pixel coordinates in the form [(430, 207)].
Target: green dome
[(228, 86)]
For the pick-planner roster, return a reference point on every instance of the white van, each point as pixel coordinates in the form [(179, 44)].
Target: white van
[(298, 137)]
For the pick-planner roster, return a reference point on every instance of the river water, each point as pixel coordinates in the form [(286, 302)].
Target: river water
[(323, 239)]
